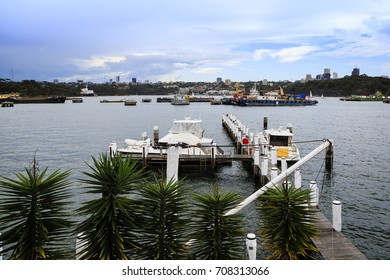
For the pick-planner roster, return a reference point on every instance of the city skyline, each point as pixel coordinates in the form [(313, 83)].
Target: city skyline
[(192, 41)]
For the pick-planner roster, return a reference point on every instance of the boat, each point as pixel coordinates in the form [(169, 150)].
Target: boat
[(146, 100), (112, 101), (271, 98), (215, 102), (180, 100), (7, 104), (130, 102), (34, 100), (378, 96), (77, 100), (186, 133), (280, 139), (164, 99), (87, 91)]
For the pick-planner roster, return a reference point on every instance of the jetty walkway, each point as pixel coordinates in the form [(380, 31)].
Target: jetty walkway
[(331, 243)]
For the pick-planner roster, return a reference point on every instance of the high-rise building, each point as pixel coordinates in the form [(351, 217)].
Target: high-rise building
[(134, 80), (219, 80), (118, 79), (308, 77), (355, 71), (335, 75)]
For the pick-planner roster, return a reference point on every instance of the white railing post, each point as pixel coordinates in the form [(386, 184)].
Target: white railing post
[(251, 246), (336, 213)]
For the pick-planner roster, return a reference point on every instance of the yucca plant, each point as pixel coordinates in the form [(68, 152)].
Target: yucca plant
[(288, 223), (217, 236), (34, 221), (108, 231), (163, 211)]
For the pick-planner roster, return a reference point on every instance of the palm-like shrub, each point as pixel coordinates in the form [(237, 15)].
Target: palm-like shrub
[(217, 236), (288, 222), (33, 219), (108, 232), (162, 210)]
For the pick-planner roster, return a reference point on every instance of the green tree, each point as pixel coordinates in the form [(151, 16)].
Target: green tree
[(108, 232), (34, 220), (288, 222), (163, 208), (216, 236)]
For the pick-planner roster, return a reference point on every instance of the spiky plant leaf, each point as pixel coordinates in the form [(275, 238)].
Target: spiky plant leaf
[(163, 209), (288, 223), (35, 222), (108, 231), (216, 236)]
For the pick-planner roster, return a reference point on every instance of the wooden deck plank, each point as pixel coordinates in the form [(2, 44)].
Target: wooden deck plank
[(333, 245)]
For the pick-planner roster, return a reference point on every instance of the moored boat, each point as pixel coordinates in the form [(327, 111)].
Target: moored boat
[(272, 98), (180, 100), (186, 133), (87, 91), (130, 102), (35, 100)]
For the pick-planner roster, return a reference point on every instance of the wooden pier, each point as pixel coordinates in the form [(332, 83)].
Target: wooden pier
[(332, 244)]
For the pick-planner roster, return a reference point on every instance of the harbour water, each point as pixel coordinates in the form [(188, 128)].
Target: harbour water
[(66, 135)]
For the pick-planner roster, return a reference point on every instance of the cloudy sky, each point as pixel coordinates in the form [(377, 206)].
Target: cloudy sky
[(198, 40)]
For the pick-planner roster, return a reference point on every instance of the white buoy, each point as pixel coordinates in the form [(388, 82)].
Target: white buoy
[(314, 193), (251, 246), (336, 212), (274, 156), (297, 178)]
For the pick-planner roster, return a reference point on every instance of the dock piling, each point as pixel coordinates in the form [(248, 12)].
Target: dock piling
[(251, 246), (329, 158), (336, 214)]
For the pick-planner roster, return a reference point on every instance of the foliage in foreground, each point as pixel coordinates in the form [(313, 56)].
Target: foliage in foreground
[(288, 222), (216, 236), (108, 232), (34, 220), (163, 212)]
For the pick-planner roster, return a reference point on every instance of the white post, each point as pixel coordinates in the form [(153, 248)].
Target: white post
[(144, 135), (274, 173), (251, 246), (314, 193), (284, 164), (264, 168), (297, 178), (336, 211), (274, 156), (112, 149), (173, 154), (257, 156)]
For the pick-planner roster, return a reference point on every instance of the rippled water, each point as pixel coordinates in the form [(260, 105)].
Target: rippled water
[(67, 135)]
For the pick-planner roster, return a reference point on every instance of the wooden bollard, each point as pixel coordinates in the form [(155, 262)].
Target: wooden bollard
[(265, 122), (329, 158)]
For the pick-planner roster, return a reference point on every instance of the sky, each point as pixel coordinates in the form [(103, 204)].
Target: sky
[(193, 41)]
